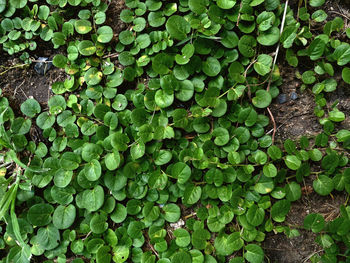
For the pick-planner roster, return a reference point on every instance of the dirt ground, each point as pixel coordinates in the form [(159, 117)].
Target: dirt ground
[(22, 82), (293, 119)]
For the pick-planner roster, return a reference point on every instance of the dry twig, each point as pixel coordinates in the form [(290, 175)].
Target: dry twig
[(273, 66)]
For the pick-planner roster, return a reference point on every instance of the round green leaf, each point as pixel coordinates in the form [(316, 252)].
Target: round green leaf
[(40, 214), (269, 37), (221, 135), (64, 216), (211, 67), (112, 160), (126, 37), (246, 46), (254, 253), (172, 212), (48, 237), (82, 26), (314, 222), (323, 185), (293, 191), (163, 157), (270, 170), (30, 108), (163, 99), (183, 238), (192, 194), (98, 224), (86, 48), (346, 74), (255, 215), (181, 171), (225, 244), (92, 170), (262, 99), (104, 34), (178, 27), (292, 162), (226, 4), (60, 61)]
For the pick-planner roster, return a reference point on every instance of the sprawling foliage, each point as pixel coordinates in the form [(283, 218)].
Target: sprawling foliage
[(156, 146)]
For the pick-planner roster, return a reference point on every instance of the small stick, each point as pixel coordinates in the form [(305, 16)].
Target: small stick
[(239, 13), (279, 43), (273, 66), (41, 61), (23, 92), (274, 125), (245, 76), (20, 85), (113, 55), (335, 12)]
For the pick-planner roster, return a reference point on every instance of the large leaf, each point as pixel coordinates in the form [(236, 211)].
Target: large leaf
[(178, 27)]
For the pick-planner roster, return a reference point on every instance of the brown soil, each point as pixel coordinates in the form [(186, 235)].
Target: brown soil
[(113, 18), (23, 82), (294, 119), (279, 248)]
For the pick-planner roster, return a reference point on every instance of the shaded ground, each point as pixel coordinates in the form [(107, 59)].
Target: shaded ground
[(113, 19), (22, 82), (294, 119), (281, 249)]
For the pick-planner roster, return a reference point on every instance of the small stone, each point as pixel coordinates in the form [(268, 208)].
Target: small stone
[(282, 98), (294, 96), (178, 224), (42, 67)]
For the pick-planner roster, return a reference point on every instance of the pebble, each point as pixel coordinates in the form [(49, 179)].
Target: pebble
[(282, 98), (42, 67), (294, 96)]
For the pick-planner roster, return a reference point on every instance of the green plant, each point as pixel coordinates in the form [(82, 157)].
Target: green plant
[(179, 168)]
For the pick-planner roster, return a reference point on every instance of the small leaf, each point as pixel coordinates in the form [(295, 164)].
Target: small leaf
[(60, 61), (254, 253), (163, 157), (323, 185), (64, 216), (86, 48), (112, 160), (346, 74), (181, 171), (316, 3), (262, 99), (83, 26), (211, 67), (92, 170), (192, 194), (292, 162), (314, 222), (137, 150), (172, 212), (30, 108), (226, 4), (293, 191), (178, 27), (183, 238), (104, 34), (255, 215), (263, 64), (40, 214)]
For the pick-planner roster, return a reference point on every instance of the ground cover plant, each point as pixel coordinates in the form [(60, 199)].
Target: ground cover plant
[(156, 148)]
